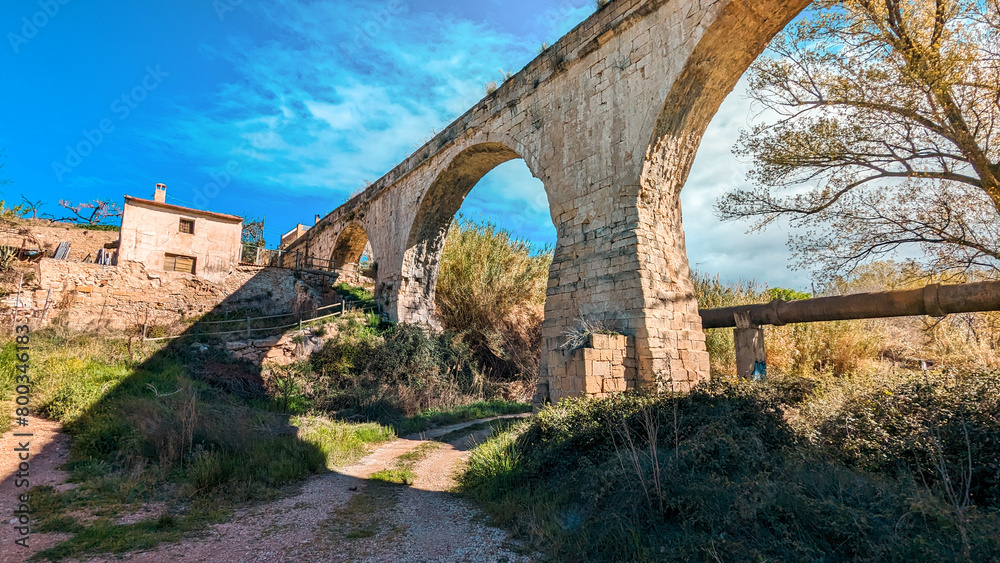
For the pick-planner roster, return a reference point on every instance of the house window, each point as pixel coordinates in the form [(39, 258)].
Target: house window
[(178, 263), (187, 226)]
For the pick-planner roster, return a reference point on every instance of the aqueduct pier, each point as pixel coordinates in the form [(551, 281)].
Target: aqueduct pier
[(609, 119)]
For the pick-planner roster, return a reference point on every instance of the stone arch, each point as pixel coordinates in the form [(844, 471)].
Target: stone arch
[(434, 217), (737, 36), (351, 245), (669, 328)]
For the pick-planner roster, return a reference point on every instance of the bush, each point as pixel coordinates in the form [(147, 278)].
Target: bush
[(932, 426), (395, 373), (491, 290), (722, 474)]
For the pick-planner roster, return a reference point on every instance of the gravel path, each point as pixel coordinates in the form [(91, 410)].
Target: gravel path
[(344, 516)]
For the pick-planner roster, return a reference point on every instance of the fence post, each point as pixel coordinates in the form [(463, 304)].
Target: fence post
[(248, 327), (144, 333), (17, 305), (751, 354), (300, 320)]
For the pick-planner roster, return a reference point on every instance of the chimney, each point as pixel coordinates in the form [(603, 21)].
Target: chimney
[(160, 195), (318, 218)]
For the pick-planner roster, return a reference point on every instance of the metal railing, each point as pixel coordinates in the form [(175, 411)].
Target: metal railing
[(251, 327)]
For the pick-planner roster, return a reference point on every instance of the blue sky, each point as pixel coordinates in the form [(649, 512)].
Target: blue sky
[(285, 109)]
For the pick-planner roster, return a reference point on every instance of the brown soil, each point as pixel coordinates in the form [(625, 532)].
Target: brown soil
[(48, 450), (337, 516)]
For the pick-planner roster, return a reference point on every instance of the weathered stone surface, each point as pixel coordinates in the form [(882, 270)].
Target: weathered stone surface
[(88, 296), (610, 119)]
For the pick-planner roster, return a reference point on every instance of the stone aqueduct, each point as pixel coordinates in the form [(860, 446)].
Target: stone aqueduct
[(609, 119)]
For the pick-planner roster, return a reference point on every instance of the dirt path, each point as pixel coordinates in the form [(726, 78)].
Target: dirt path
[(48, 448), (345, 516)]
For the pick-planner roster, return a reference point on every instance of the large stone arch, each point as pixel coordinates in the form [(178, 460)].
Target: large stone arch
[(738, 34), (609, 118), (434, 216)]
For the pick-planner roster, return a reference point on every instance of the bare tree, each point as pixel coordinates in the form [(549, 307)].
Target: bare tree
[(31, 208), (3, 158), (91, 213), (253, 231), (886, 134)]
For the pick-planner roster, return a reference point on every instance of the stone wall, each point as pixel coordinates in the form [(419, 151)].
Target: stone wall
[(89, 296), (295, 346), (605, 365)]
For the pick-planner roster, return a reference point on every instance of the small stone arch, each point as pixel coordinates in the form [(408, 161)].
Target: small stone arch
[(346, 259)]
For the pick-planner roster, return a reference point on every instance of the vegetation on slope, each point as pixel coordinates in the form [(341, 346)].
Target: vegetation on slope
[(491, 291), (868, 470), (149, 428), (400, 375)]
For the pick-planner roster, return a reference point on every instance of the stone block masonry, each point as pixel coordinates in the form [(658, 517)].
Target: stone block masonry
[(609, 119), (605, 365), (89, 296)]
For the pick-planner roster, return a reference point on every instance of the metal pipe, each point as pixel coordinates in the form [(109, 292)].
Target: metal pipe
[(934, 300)]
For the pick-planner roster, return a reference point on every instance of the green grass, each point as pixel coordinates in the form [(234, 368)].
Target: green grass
[(342, 443), (495, 426), (419, 453), (447, 416), (396, 476), (8, 374), (786, 470), (402, 473), (357, 296), (147, 428)]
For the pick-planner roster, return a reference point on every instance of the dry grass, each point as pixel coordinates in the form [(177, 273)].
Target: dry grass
[(491, 289), (967, 340)]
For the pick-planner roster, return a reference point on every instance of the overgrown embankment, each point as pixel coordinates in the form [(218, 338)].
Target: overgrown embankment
[(188, 431), (149, 428), (901, 468), (491, 292)]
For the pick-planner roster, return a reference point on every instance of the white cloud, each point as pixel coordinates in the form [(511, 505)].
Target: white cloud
[(727, 249)]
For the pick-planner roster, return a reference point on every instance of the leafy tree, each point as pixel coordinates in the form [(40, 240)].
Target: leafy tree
[(888, 114)]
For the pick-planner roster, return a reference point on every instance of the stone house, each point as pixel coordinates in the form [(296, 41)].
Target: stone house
[(295, 234), (171, 238)]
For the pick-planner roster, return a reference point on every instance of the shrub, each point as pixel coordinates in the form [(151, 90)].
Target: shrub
[(491, 290), (718, 474), (395, 373)]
